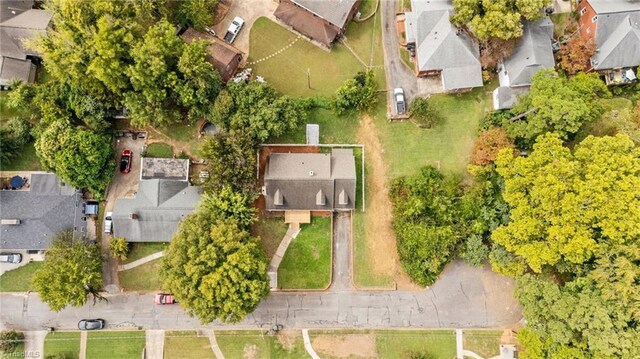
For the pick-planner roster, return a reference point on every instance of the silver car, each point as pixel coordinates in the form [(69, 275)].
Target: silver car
[(10, 258)]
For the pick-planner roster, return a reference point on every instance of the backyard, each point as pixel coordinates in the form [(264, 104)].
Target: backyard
[(118, 344), (159, 150), (256, 345), (186, 344), (307, 262), (19, 279), (58, 344)]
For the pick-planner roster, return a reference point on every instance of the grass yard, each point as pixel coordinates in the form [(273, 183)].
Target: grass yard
[(159, 150), (405, 55), (448, 146), (287, 71), (333, 129), (186, 136), (307, 262), (367, 7), (186, 344), (121, 345), (253, 344), (387, 344), (365, 38), (26, 161), (142, 278), (271, 231), (19, 279), (18, 353), (141, 250), (485, 343), (59, 343)]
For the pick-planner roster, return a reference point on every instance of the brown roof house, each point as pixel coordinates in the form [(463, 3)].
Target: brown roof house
[(322, 21), (614, 26), (17, 61), (310, 181), (441, 48), (224, 57)]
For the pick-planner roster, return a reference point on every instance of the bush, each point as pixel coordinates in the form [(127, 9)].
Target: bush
[(9, 341), (119, 248), (424, 114), (488, 144), (475, 252), (358, 93)]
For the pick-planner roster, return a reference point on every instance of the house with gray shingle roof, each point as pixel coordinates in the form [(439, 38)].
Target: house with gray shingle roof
[(17, 61), (34, 214), (441, 48), (614, 26), (532, 53), (310, 181)]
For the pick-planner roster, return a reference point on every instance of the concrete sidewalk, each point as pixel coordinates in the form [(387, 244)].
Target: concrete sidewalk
[(140, 261), (154, 344), (34, 343), (292, 232)]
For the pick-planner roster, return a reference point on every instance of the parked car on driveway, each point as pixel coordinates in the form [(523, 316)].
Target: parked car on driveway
[(164, 298), (234, 29), (10, 258), (125, 161), (398, 95), (91, 324), (108, 222)]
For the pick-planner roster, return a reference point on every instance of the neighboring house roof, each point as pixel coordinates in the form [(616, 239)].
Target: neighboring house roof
[(440, 46), (617, 35), (156, 211), (506, 97), (223, 56), (334, 11), (310, 181), (11, 8), (45, 209), (532, 54), (164, 168), (14, 69), (305, 23)]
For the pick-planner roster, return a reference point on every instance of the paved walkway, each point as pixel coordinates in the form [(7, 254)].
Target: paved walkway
[(459, 349), (292, 232), (214, 345), (154, 346), (140, 261), (83, 345), (34, 343), (341, 275), (307, 344)]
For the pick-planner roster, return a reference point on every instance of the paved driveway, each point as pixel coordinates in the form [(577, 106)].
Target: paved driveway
[(341, 271), (249, 11)]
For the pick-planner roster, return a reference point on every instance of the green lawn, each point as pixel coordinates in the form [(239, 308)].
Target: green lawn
[(251, 344), (121, 345), (26, 161), (287, 71), (142, 278), (397, 344), (58, 343), (365, 39), (271, 231), (333, 129), (186, 344), (159, 150), (485, 343), (18, 353), (447, 146), (405, 55), (307, 262), (184, 134), (367, 7), (141, 250), (19, 279)]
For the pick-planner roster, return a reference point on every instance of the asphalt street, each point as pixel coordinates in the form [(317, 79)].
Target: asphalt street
[(465, 298)]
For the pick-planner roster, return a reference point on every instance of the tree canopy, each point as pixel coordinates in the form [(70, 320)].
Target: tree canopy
[(232, 162), (496, 19), (488, 144), (565, 204), (72, 270), (357, 93)]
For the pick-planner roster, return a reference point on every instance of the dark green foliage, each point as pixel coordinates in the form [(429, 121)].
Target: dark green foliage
[(195, 13), (9, 340), (72, 270), (13, 138), (358, 93), (9, 148), (475, 252), (229, 204), (232, 162), (424, 114)]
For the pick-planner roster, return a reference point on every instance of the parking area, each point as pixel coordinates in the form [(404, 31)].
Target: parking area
[(249, 11), (26, 259), (125, 184)]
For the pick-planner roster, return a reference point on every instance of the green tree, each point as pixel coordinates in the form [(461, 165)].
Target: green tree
[(215, 269), (358, 93), (80, 157), (196, 13), (565, 205), (119, 248), (496, 19), (425, 114), (232, 161), (229, 204), (72, 270)]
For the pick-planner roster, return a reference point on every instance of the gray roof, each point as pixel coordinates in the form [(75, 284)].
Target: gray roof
[(617, 40), (14, 69), (613, 6), (532, 54), (164, 168), (440, 46), (46, 208), (310, 181), (11, 8), (505, 97), (159, 206), (334, 11)]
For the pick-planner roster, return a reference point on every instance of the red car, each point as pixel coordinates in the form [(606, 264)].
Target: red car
[(125, 161), (164, 298)]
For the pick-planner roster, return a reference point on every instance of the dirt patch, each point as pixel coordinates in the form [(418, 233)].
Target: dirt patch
[(287, 339), (508, 336), (345, 346), (251, 351), (380, 237)]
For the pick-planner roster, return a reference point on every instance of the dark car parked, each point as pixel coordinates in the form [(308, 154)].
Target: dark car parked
[(125, 161), (91, 324)]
